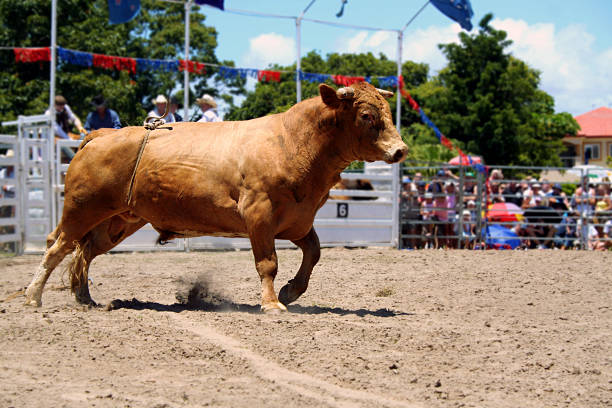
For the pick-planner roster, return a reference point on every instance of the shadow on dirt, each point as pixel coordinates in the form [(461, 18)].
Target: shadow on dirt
[(196, 294), (229, 306)]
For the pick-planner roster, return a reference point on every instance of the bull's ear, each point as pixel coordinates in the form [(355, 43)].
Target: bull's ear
[(328, 94)]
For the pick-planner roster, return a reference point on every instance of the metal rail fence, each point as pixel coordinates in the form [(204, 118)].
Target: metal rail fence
[(10, 227), (512, 207)]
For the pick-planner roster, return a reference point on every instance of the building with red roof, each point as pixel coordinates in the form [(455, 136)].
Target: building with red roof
[(593, 142)]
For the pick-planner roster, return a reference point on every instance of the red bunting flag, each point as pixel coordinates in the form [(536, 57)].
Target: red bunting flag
[(268, 76), (111, 62), (347, 80), (413, 104), (401, 82), (446, 142), (32, 54), (192, 67)]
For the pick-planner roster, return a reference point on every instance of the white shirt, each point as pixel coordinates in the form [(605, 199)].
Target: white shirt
[(210, 116), (534, 199), (167, 119)]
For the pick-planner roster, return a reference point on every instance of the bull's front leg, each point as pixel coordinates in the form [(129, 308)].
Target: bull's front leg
[(311, 250), (261, 235)]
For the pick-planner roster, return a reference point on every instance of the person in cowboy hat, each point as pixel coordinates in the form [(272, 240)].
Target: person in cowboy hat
[(160, 107), (208, 106), (101, 116)]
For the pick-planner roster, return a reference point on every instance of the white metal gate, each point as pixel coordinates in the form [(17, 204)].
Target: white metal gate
[(33, 189), (10, 210)]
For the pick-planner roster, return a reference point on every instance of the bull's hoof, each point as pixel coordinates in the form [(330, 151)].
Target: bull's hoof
[(289, 293), (273, 308), (32, 299), (284, 297), (33, 302)]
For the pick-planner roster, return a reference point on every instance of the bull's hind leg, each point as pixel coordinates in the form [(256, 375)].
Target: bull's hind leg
[(98, 241), (53, 256), (311, 250)]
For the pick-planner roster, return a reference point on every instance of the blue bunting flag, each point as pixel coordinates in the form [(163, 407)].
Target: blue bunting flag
[(307, 76), (83, 59), (157, 65)]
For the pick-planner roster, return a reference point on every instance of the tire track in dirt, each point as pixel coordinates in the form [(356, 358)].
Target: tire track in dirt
[(303, 384)]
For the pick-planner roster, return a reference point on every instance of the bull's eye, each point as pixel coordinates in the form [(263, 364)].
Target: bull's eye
[(366, 117)]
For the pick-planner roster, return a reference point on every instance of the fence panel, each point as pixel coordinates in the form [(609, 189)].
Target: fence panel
[(37, 196), (10, 210), (525, 208)]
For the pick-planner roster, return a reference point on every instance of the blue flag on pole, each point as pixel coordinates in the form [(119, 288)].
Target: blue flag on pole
[(122, 11), (458, 10), (213, 3)]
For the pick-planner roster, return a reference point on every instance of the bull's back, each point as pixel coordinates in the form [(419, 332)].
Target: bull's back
[(101, 169)]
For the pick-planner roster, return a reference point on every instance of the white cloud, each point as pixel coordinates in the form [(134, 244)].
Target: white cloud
[(418, 45), (422, 45), (267, 49), (576, 75)]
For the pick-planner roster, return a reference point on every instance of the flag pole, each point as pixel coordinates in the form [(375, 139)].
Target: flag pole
[(186, 72), (53, 55)]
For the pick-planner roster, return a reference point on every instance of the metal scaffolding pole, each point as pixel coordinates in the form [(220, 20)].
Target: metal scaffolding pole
[(186, 72), (53, 55)]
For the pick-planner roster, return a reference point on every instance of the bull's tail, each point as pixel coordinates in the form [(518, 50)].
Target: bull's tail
[(79, 266)]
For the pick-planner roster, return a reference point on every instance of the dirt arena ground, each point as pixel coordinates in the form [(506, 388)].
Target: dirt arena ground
[(377, 328)]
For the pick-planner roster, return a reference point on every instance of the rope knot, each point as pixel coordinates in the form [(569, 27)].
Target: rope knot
[(156, 121)]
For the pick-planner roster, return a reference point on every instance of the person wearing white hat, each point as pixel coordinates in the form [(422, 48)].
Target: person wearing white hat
[(160, 107), (208, 105)]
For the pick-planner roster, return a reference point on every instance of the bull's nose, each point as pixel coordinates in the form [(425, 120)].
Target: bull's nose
[(400, 154)]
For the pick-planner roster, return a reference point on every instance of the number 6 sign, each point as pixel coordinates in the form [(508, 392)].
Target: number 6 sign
[(342, 210)]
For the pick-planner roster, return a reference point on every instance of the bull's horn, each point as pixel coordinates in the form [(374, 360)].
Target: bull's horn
[(345, 93), (385, 94)]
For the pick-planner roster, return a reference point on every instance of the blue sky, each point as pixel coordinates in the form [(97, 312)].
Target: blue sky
[(570, 42)]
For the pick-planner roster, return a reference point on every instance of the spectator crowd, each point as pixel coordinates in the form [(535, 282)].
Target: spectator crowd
[(446, 211)]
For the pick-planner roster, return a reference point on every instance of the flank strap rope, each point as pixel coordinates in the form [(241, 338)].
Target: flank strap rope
[(152, 122)]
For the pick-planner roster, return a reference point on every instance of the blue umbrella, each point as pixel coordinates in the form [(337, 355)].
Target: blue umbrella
[(458, 10), (499, 237)]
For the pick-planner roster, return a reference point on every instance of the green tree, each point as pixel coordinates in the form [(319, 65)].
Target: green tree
[(490, 102), (157, 33), (273, 97), (269, 98)]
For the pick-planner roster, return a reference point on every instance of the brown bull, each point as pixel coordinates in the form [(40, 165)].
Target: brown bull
[(262, 179)]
